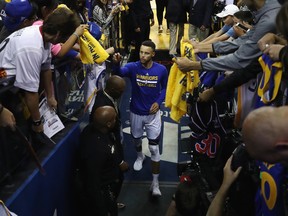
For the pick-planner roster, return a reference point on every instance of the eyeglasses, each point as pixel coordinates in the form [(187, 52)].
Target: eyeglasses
[(242, 27)]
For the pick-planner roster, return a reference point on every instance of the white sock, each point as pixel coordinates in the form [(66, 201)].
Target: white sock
[(155, 178)]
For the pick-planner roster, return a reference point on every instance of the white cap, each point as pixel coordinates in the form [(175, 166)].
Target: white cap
[(228, 10)]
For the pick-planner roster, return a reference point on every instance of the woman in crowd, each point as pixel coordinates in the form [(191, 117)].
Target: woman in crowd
[(103, 17)]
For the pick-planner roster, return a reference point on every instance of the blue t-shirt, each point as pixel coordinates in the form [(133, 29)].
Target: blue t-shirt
[(148, 85), (225, 28), (229, 31)]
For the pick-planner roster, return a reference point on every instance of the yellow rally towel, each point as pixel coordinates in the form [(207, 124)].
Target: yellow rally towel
[(179, 84), (178, 101), (193, 79), (271, 79), (176, 93), (90, 50)]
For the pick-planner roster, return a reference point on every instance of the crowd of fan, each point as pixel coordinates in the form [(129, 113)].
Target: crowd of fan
[(253, 55)]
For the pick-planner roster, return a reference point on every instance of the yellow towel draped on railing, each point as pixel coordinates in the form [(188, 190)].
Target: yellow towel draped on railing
[(180, 84)]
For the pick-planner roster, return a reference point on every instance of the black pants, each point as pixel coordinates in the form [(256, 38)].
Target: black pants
[(109, 196), (141, 36), (160, 5), (104, 204)]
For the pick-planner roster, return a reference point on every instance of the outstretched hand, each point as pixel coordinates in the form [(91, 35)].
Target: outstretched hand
[(273, 51), (184, 64), (80, 29), (229, 175)]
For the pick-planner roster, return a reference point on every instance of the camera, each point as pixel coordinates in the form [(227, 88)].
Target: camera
[(240, 157)]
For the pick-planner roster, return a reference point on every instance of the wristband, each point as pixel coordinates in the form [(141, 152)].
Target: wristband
[(74, 33), (36, 123), (1, 108)]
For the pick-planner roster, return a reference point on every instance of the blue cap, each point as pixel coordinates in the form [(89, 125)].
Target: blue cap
[(16, 12), (95, 30)]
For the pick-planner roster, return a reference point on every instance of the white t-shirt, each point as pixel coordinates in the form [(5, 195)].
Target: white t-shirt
[(24, 54)]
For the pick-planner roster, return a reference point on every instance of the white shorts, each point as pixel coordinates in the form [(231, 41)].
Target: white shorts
[(152, 124)]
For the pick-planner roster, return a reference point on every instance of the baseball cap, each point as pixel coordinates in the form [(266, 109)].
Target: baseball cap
[(16, 11), (228, 10)]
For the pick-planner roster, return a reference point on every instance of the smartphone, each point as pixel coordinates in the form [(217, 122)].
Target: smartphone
[(240, 157), (242, 27)]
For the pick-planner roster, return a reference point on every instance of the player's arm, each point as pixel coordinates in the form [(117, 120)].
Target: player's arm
[(163, 83)]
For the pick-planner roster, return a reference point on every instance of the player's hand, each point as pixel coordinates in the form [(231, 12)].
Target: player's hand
[(154, 108)]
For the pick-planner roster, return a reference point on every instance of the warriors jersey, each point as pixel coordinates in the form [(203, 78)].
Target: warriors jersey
[(148, 85)]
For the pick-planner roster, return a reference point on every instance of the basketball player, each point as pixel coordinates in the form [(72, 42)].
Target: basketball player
[(148, 81)]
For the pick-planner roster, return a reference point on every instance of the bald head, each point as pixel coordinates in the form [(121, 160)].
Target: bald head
[(115, 86), (265, 133), (104, 117)]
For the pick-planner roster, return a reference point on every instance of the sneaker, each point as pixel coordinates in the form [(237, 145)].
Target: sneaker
[(138, 163), (168, 31), (160, 29), (154, 188)]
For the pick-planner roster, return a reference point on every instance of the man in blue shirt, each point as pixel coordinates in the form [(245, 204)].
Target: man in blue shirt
[(226, 31), (148, 81)]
